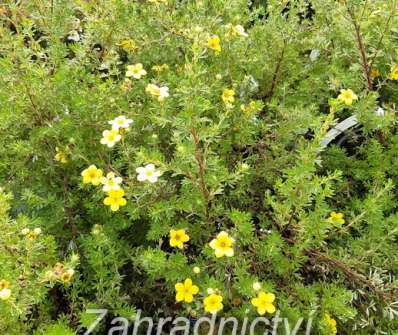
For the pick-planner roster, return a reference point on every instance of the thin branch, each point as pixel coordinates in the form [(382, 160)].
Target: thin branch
[(382, 35), (351, 274), (201, 164), (68, 209), (361, 47), (276, 72), (365, 5), (354, 276)]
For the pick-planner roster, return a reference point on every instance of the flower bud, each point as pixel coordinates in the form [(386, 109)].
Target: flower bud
[(5, 294), (256, 286)]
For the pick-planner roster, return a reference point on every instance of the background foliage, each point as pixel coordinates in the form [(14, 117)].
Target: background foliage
[(261, 174)]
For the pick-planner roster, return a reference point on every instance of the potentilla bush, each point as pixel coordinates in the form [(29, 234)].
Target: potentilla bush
[(30, 275), (168, 156)]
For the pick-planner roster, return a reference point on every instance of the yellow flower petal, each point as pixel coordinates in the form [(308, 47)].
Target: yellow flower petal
[(188, 297), (180, 296)]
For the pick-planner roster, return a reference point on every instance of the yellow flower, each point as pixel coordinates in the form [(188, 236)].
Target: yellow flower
[(394, 72), (111, 182), (264, 303), (374, 73), (239, 30), (97, 229), (60, 156), (178, 238), (251, 107), (213, 303), (66, 276), (336, 218), (186, 291), (256, 286), (214, 43), (148, 173), (92, 175), (4, 284), (228, 96), (196, 269), (347, 96), (49, 276), (32, 235), (126, 85), (120, 122), (25, 231), (110, 137), (115, 199), (136, 71), (222, 245), (5, 292), (158, 92), (331, 323), (152, 89), (160, 68), (58, 269), (128, 45)]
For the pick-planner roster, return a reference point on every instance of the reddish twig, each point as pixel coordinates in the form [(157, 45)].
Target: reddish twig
[(201, 164), (351, 274), (276, 72), (361, 47), (382, 36), (354, 276)]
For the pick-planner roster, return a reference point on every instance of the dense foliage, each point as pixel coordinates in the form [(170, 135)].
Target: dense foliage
[(214, 170)]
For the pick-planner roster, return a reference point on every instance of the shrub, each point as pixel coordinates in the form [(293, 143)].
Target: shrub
[(156, 141), (26, 257)]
